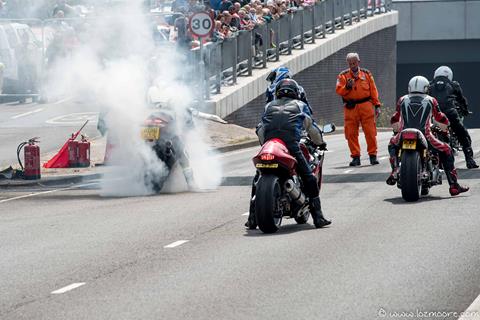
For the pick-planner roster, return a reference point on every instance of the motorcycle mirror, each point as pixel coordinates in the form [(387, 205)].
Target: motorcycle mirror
[(329, 128)]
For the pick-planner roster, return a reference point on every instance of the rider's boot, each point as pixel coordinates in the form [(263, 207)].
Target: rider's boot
[(455, 187), (393, 177), (316, 210), (471, 164)]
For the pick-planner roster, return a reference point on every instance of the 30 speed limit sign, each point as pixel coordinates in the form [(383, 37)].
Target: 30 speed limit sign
[(201, 24)]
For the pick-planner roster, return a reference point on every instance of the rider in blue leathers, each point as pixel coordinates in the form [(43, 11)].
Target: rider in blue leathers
[(274, 77)]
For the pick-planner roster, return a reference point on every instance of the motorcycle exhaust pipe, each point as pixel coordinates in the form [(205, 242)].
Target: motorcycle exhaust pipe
[(295, 193)]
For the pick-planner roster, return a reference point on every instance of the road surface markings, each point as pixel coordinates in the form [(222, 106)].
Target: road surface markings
[(27, 113), (176, 244), (45, 192), (74, 118), (63, 100), (348, 171), (472, 312), (383, 158), (245, 214), (68, 288)]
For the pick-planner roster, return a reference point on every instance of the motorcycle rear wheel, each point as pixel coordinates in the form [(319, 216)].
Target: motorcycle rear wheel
[(410, 175), (267, 203)]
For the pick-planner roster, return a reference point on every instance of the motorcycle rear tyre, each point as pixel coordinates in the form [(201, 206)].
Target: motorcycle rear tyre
[(410, 178), (267, 198)]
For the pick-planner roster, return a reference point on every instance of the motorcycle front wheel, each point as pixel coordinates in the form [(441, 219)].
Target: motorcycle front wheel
[(267, 203)]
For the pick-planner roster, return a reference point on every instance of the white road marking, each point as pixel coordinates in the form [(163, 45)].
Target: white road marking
[(348, 171), (472, 312), (383, 158), (245, 214), (45, 192), (63, 100), (26, 113), (68, 288), (74, 118), (176, 243)]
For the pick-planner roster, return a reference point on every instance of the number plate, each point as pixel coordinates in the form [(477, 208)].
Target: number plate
[(266, 165), (409, 144), (150, 133)]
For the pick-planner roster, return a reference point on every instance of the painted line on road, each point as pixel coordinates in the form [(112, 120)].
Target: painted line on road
[(348, 171), (175, 244), (63, 100), (45, 192), (383, 158), (68, 288), (472, 312), (245, 214), (26, 113)]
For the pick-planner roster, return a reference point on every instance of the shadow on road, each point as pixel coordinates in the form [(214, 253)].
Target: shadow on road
[(284, 230), (399, 201)]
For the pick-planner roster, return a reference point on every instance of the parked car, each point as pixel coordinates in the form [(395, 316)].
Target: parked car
[(21, 55)]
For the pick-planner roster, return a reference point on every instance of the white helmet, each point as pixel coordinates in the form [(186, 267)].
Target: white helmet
[(418, 84), (444, 71)]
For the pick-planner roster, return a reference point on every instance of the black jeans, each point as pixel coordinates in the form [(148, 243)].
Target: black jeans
[(458, 128)]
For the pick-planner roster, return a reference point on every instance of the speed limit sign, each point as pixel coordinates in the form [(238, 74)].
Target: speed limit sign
[(201, 24)]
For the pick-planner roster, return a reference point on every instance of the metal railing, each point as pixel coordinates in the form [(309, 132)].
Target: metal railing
[(237, 56)]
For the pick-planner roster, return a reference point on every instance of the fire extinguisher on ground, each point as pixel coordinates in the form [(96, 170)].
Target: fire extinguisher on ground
[(72, 152), (84, 152), (31, 171)]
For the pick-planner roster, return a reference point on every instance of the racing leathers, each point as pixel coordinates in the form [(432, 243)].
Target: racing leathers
[(286, 119), (419, 111), (455, 106)]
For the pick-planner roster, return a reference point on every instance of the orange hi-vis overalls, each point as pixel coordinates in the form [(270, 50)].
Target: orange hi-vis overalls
[(359, 103)]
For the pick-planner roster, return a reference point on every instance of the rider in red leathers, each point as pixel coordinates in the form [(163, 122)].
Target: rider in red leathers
[(418, 110)]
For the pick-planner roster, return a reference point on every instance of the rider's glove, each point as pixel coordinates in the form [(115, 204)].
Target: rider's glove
[(322, 146)]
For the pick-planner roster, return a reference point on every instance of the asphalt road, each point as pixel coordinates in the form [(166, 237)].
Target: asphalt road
[(53, 122), (381, 256)]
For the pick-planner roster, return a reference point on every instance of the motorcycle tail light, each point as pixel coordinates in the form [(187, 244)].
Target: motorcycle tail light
[(409, 135), (267, 157)]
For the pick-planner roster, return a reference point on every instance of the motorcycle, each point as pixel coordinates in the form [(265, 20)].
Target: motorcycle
[(420, 167), (159, 133), (279, 189)]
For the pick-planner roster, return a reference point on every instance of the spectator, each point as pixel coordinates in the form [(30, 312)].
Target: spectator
[(61, 5)]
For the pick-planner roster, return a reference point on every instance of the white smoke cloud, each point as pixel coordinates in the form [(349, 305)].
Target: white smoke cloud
[(112, 66)]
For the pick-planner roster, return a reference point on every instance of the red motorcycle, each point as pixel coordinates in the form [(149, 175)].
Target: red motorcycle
[(279, 189)]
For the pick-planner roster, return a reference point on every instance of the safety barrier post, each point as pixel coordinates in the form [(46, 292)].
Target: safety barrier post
[(277, 41), (250, 53), (290, 33), (358, 11), (235, 60), (218, 66), (324, 19), (302, 34), (313, 22), (333, 16), (342, 11)]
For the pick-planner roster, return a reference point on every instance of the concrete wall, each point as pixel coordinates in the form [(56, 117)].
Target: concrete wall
[(438, 19), (249, 88), (377, 53)]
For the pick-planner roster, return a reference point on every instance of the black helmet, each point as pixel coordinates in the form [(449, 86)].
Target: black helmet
[(287, 88)]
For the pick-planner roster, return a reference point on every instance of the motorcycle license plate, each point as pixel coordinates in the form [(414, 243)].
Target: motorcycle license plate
[(150, 133), (409, 144), (266, 165)]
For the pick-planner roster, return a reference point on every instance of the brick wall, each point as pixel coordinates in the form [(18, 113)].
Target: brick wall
[(377, 53)]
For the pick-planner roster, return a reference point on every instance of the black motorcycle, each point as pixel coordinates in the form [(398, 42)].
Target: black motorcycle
[(420, 167)]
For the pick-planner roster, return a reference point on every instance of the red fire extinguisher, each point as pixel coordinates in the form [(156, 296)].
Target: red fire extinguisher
[(32, 159), (84, 152), (72, 152)]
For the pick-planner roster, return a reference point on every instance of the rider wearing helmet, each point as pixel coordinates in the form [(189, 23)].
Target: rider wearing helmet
[(274, 77), (452, 102), (286, 117), (418, 110)]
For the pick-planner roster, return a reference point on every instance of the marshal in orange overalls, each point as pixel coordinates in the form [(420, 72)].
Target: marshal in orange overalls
[(359, 108)]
